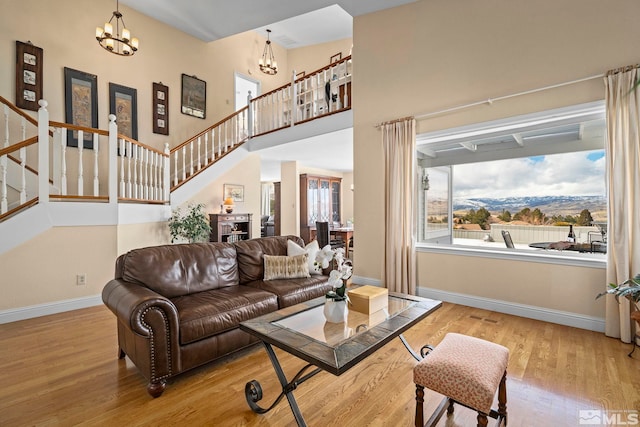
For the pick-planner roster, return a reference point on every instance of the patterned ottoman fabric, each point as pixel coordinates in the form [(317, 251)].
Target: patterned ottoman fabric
[(464, 368)]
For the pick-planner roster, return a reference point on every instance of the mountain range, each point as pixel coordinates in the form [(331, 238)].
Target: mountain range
[(549, 205)]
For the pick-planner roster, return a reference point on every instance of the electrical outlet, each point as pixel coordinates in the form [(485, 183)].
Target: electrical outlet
[(81, 279)]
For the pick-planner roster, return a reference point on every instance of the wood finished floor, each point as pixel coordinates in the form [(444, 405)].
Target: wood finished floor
[(62, 370)]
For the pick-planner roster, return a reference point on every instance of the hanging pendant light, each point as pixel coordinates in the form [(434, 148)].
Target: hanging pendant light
[(267, 62), (120, 43)]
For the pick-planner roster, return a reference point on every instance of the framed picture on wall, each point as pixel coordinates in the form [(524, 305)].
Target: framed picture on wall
[(123, 103), (335, 58), (160, 108), (81, 104), (28, 75), (235, 191), (194, 96)]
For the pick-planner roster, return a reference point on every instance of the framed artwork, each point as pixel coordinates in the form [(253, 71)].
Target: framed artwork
[(235, 191), (160, 108), (81, 104), (28, 75), (300, 75), (194, 96), (123, 103), (335, 58)]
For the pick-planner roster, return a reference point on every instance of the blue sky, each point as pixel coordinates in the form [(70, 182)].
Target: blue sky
[(578, 174)]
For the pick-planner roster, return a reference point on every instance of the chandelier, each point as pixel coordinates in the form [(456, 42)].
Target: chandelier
[(267, 63), (118, 43)]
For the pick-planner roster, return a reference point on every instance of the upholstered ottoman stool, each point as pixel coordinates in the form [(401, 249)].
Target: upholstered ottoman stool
[(467, 371)]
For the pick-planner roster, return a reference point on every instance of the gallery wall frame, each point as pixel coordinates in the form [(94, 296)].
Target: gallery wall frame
[(28, 75), (123, 103), (235, 191), (160, 108), (335, 58), (81, 104), (194, 96)]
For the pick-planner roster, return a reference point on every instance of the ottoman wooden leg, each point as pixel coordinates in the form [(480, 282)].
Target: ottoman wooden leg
[(419, 410), (502, 398), (482, 420)]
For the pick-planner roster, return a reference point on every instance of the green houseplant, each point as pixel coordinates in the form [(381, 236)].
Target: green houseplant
[(192, 226), (630, 288)]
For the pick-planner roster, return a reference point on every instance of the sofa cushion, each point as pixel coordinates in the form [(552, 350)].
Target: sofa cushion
[(208, 313), (251, 255), (176, 270), (294, 291), (285, 267), (311, 249)]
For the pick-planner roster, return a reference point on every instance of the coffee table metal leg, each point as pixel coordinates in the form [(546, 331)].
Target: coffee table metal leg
[(423, 351), (253, 390)]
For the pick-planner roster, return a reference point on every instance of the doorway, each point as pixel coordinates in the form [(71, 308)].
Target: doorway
[(244, 84)]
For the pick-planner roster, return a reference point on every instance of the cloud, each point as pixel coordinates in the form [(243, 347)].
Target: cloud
[(569, 174)]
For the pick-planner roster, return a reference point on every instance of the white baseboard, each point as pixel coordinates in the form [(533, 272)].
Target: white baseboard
[(531, 312), (29, 312)]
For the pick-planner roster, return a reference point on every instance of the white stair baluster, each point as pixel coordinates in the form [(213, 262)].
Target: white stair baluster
[(206, 148), (80, 165), (23, 174), (191, 158), (175, 168), (147, 180), (3, 184), (199, 148), (123, 152), (96, 149), (129, 157), (184, 163), (134, 181), (63, 161)]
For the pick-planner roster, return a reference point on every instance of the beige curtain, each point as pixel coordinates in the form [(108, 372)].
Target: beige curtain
[(399, 142), (623, 172)]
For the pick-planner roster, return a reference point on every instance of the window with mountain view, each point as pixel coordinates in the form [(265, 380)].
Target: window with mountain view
[(539, 178)]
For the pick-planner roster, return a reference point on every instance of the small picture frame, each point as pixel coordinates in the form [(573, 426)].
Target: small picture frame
[(194, 96), (235, 191), (300, 75), (123, 103), (335, 58), (160, 108), (81, 104), (28, 75)]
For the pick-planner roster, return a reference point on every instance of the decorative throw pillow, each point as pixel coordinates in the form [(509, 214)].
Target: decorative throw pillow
[(286, 267), (311, 249)]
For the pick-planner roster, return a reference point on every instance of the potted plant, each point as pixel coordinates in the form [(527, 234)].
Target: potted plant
[(192, 226), (630, 288)]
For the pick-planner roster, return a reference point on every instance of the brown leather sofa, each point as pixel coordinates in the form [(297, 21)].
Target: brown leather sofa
[(179, 306)]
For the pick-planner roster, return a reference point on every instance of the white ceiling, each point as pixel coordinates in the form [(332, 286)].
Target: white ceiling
[(294, 23), (211, 20)]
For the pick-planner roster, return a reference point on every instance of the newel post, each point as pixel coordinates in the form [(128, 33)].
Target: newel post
[(113, 159), (43, 152)]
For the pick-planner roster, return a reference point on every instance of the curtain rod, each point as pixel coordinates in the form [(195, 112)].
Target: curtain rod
[(513, 95), (490, 101)]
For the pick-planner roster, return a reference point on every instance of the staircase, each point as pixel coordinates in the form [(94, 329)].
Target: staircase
[(47, 178)]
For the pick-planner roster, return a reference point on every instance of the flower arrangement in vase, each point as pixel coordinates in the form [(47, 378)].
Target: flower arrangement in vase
[(335, 308)]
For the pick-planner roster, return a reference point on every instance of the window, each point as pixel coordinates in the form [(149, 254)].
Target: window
[(534, 177)]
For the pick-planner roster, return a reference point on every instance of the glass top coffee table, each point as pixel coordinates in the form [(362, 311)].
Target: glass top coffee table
[(302, 331)]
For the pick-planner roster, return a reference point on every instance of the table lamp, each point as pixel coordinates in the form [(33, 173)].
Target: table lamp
[(228, 204)]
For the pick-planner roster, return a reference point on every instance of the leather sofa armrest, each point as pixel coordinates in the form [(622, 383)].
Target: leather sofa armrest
[(146, 313)]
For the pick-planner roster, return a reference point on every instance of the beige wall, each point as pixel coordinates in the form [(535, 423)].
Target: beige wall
[(44, 269), (312, 58), (431, 55)]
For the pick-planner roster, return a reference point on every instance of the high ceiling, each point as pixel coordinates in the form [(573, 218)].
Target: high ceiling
[(211, 20)]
